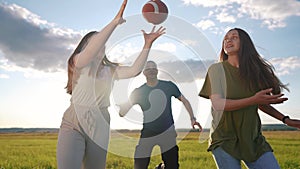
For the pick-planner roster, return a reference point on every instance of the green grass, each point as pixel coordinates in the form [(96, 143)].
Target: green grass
[(38, 151), (28, 151)]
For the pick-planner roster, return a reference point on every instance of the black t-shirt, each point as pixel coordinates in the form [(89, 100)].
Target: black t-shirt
[(156, 105)]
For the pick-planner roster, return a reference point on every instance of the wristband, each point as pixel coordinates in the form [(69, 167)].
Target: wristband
[(284, 118)]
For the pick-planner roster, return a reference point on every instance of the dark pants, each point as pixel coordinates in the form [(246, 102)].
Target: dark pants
[(168, 148), (170, 159)]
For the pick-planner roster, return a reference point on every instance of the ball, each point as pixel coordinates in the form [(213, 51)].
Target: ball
[(155, 12)]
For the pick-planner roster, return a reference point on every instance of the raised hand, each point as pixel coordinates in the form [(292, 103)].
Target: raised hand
[(119, 17), (153, 35)]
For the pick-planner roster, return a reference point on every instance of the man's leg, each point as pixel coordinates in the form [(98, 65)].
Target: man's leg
[(170, 158), (143, 153)]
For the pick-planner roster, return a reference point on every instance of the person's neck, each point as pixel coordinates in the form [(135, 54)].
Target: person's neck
[(234, 60), (152, 82)]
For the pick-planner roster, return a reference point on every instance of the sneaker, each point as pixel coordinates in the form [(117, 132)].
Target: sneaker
[(160, 166)]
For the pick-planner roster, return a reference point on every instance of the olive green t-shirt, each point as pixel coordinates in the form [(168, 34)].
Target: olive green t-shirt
[(238, 132)]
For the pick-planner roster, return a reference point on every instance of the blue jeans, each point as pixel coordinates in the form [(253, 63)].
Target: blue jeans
[(225, 161)]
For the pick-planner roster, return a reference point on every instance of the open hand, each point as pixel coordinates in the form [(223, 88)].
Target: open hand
[(153, 35), (264, 97)]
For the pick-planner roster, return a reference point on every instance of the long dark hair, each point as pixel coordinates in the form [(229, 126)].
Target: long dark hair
[(73, 72), (255, 72)]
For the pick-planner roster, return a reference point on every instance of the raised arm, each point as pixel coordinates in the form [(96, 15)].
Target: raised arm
[(97, 42), (261, 97), (270, 110), (136, 68), (189, 109)]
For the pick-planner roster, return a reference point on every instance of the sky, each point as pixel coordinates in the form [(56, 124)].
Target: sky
[(37, 37)]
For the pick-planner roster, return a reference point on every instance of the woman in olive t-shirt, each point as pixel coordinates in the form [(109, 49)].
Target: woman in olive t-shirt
[(238, 86)]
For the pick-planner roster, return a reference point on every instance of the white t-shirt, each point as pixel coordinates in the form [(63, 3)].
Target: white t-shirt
[(90, 98)]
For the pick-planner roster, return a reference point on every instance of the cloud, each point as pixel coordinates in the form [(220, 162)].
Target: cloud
[(272, 13), (285, 66), (184, 71), (30, 42), (4, 76), (206, 3), (205, 24), (121, 52), (226, 17), (168, 47)]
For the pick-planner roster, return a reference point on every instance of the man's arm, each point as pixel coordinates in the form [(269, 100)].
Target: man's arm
[(188, 107), (124, 108)]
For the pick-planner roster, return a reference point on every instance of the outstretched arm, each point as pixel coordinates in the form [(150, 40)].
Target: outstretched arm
[(188, 107), (136, 68), (261, 97), (97, 42), (124, 108), (270, 110)]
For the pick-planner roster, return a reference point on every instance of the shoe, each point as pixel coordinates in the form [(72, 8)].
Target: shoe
[(160, 166)]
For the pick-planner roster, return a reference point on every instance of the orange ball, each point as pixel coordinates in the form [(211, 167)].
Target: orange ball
[(155, 12)]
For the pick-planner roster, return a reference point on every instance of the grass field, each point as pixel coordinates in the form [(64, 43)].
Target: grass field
[(38, 150)]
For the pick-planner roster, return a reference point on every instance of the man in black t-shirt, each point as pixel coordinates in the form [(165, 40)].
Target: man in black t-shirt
[(154, 98)]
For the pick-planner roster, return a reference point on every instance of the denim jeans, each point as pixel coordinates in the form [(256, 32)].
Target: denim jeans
[(225, 161)]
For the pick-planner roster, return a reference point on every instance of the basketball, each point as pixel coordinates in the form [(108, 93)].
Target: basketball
[(155, 12)]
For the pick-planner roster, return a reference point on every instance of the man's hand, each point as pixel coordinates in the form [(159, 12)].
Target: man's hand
[(195, 123)]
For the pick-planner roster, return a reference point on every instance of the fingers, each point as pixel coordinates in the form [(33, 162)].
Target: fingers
[(153, 28), (266, 97), (120, 13), (268, 90), (278, 100), (277, 96), (275, 99), (124, 3), (161, 29), (123, 6), (197, 124), (200, 128)]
